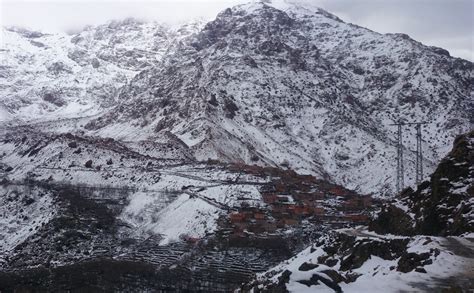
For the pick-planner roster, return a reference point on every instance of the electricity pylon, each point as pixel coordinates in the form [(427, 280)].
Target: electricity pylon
[(419, 154), (400, 167)]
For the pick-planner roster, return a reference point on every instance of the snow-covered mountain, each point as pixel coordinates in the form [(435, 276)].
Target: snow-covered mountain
[(285, 85), (51, 76), (278, 83), (138, 156)]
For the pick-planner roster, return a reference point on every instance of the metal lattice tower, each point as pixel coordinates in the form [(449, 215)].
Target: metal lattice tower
[(419, 155), (400, 167)]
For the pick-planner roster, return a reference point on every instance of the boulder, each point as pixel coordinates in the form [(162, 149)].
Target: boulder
[(306, 266), (88, 164)]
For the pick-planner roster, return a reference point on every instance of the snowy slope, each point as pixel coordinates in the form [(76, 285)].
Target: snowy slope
[(444, 205), (192, 217), (298, 85), (383, 271), (161, 196), (22, 211), (52, 76)]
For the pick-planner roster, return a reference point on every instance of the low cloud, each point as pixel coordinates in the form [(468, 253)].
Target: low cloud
[(446, 24)]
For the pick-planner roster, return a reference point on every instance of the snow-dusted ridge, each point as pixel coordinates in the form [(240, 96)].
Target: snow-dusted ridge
[(267, 82), (266, 86), (51, 76), (129, 150)]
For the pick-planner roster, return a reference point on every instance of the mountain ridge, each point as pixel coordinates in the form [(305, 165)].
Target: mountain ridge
[(201, 157), (228, 48), (268, 86)]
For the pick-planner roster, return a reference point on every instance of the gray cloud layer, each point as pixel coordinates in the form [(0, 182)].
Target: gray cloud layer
[(443, 23)]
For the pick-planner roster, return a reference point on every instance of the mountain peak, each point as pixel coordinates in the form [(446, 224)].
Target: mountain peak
[(267, 82), (299, 7), (293, 7)]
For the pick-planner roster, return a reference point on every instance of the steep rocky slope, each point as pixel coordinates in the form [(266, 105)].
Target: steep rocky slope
[(280, 84), (442, 206), (104, 161), (150, 214), (361, 261), (52, 76)]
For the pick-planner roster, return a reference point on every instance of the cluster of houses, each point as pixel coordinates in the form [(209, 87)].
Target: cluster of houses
[(291, 199)]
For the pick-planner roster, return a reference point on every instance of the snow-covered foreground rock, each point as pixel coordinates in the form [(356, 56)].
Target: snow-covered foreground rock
[(437, 255), (358, 261)]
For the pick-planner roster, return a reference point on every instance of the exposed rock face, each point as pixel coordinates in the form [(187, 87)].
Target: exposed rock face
[(363, 257), (394, 220), (442, 206), (410, 261), (353, 254), (279, 83), (87, 68), (53, 98), (272, 84)]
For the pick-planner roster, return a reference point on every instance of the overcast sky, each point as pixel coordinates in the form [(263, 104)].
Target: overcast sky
[(443, 23)]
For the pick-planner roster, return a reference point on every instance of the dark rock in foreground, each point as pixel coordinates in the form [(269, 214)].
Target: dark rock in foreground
[(442, 206)]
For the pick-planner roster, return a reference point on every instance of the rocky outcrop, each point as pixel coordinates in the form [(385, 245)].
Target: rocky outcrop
[(444, 205), (338, 260), (44, 73)]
